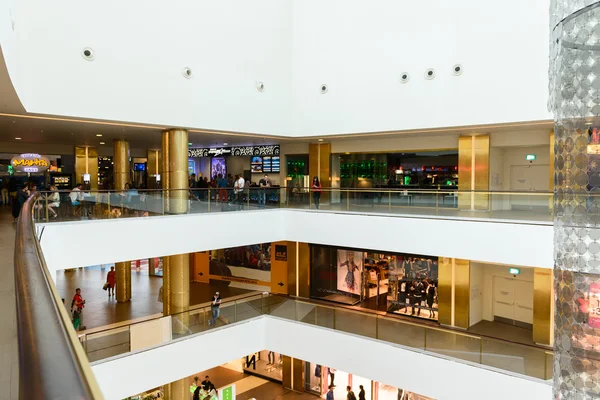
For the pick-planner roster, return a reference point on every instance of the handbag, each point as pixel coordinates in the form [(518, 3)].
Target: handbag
[(105, 286)]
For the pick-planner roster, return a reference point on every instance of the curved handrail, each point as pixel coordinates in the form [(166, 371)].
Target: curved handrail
[(52, 364)]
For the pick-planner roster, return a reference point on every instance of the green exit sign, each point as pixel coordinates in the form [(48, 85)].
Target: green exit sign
[(514, 271), (530, 157)]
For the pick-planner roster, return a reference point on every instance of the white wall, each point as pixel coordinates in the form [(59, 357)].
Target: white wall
[(489, 272), (476, 283), (444, 378), (73, 244), (359, 49)]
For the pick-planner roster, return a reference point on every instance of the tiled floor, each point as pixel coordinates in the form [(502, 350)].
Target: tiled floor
[(9, 356), (100, 310)]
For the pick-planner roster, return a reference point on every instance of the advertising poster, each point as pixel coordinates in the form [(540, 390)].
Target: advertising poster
[(350, 266), (217, 166), (594, 306), (246, 267)]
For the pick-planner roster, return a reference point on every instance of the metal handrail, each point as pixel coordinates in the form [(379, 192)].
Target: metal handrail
[(52, 364)]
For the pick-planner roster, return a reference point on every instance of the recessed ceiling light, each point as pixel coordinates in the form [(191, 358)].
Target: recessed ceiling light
[(102, 143), (320, 140), (98, 134), (225, 144), (18, 138)]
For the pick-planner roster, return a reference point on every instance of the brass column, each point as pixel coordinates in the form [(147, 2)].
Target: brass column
[(177, 390), (123, 285), (543, 313), (174, 173), (154, 167), (473, 172), (319, 164), (176, 269), (121, 163), (86, 162)]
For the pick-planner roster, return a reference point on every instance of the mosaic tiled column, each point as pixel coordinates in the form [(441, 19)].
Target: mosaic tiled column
[(575, 102)]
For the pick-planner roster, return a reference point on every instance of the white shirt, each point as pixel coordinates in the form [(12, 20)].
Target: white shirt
[(75, 195), (239, 185)]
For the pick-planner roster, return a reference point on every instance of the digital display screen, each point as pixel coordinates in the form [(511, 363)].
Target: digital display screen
[(256, 164), (275, 164), (267, 164), (218, 166), (139, 167)]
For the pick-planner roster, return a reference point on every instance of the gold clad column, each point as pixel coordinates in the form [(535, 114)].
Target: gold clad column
[(543, 306), (319, 164), (123, 285), (176, 269), (86, 162), (154, 168), (174, 173), (473, 172), (121, 163), (178, 390)]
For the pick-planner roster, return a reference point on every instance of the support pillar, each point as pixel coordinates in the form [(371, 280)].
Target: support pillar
[(120, 163), (86, 164), (319, 164), (123, 285), (473, 172), (574, 101), (177, 390), (154, 166), (176, 269)]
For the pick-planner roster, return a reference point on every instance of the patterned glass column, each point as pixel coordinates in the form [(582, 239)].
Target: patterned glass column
[(575, 102)]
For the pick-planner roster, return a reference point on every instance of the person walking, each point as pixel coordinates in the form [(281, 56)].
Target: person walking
[(77, 305), (264, 183), (316, 188), (361, 393), (238, 189), (4, 191), (330, 393), (222, 185), (350, 395), (111, 281), (215, 309)]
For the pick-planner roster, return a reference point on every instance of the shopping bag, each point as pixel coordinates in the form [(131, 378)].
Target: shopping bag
[(105, 287)]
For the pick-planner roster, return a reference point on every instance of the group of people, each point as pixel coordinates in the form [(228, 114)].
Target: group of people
[(231, 189), (420, 293), (349, 393)]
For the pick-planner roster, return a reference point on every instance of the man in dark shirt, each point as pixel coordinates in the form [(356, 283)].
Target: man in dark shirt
[(264, 183), (207, 385)]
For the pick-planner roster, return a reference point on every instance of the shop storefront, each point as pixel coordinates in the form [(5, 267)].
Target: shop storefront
[(265, 364), (403, 284), (23, 168), (416, 170), (318, 379)]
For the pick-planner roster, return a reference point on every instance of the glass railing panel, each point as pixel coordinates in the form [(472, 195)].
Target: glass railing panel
[(226, 314), (271, 303), (357, 323), (248, 308), (453, 344), (106, 344), (306, 312), (517, 358), (395, 331), (549, 365), (324, 316), (521, 206), (285, 309)]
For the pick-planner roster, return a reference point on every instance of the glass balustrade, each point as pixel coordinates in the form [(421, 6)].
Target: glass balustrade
[(521, 359), (515, 206)]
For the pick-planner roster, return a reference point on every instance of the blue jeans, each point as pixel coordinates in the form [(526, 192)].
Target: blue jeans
[(216, 311), (262, 198)]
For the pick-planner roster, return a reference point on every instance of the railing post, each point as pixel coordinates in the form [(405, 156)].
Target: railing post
[(108, 205), (389, 201), (481, 351), (235, 311), (347, 200), (208, 200), (46, 208)]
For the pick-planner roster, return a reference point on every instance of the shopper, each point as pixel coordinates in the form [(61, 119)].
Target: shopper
[(222, 185), (316, 188), (238, 189), (429, 295), (361, 393), (75, 196), (330, 393), (111, 280), (4, 191), (77, 305), (207, 385), (21, 198), (215, 309), (53, 200), (418, 290), (264, 183), (351, 395)]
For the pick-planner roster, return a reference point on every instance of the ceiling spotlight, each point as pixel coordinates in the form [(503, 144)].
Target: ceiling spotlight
[(320, 140), (99, 135), (102, 143), (17, 138)]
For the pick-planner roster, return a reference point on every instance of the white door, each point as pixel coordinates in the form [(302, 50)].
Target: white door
[(524, 301), (526, 178), (504, 298)]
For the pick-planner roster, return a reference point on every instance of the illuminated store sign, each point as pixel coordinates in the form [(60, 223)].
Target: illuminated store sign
[(268, 150), (514, 271), (30, 162)]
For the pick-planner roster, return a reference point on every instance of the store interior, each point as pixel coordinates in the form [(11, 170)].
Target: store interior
[(401, 284)]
